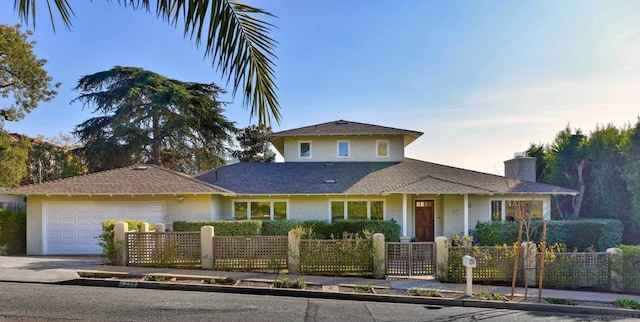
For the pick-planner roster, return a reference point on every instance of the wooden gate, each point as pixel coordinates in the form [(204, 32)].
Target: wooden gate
[(408, 259)]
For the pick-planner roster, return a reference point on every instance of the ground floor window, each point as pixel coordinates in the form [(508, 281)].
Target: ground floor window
[(513, 210), (260, 210), (357, 209)]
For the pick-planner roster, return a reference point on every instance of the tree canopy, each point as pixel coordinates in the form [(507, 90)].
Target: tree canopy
[(13, 156), (149, 118), (254, 145), (603, 167), (236, 37), (23, 81)]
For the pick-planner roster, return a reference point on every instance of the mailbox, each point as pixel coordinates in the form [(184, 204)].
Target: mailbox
[(468, 261)]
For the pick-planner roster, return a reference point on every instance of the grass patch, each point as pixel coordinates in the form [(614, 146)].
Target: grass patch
[(493, 296), (155, 278), (222, 280), (553, 300), (628, 303), (417, 291), (289, 283), (361, 288)]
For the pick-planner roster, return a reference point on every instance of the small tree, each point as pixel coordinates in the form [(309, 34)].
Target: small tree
[(254, 145)]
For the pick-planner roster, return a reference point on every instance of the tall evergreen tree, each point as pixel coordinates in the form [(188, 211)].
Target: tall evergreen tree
[(254, 145), (149, 118)]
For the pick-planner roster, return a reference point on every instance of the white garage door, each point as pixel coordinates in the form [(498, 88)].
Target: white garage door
[(71, 228)]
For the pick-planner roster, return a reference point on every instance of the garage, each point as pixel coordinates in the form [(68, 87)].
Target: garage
[(70, 228)]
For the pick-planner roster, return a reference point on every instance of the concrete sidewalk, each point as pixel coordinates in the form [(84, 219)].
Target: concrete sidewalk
[(54, 269)]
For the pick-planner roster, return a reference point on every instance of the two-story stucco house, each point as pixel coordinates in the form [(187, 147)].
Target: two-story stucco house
[(338, 170)]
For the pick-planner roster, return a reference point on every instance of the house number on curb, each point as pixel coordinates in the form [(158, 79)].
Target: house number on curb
[(128, 284)]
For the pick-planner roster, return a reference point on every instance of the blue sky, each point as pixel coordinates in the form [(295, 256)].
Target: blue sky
[(481, 79)]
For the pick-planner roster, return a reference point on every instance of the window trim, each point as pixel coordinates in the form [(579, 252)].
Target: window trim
[(388, 152), (249, 201), (300, 150), (348, 149), (346, 209), (546, 215)]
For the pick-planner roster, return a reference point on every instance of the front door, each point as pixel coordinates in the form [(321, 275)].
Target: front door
[(424, 210)]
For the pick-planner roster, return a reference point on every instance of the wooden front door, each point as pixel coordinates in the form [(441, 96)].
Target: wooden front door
[(424, 210)]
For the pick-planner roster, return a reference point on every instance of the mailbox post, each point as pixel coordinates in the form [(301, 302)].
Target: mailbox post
[(469, 262)]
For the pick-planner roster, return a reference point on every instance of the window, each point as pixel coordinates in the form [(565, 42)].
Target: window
[(305, 149), (260, 210), (516, 209), (357, 210), (382, 148), (343, 149), (496, 210)]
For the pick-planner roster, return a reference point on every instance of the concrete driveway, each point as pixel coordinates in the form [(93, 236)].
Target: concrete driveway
[(49, 262)]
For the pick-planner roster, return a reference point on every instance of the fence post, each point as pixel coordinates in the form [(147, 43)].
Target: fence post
[(615, 263), (529, 262), (206, 246), (294, 251), (379, 256), (160, 228), (144, 227), (119, 231), (442, 258)]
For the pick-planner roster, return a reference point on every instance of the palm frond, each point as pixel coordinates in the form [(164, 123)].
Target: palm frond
[(236, 37), (27, 10)]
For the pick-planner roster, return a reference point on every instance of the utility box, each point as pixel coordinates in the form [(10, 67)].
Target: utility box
[(468, 261)]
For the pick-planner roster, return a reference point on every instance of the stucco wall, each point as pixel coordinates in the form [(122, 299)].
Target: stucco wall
[(363, 148)]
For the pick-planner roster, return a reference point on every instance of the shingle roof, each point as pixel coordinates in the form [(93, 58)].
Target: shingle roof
[(411, 176), (130, 180), (342, 127)]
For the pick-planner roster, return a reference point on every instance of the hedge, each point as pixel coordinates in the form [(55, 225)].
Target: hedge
[(13, 231), (320, 228), (107, 226), (325, 230), (580, 234), (223, 227)]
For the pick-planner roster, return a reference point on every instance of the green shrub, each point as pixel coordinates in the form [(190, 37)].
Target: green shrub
[(110, 249), (222, 280), (288, 283), (13, 231), (223, 227), (553, 300), (628, 303), (579, 234), (277, 227), (431, 292), (363, 288)]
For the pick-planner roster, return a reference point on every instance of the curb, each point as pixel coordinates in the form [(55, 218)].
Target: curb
[(536, 307)]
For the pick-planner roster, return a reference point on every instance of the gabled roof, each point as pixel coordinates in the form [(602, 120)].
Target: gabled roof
[(136, 180), (340, 128), (366, 178)]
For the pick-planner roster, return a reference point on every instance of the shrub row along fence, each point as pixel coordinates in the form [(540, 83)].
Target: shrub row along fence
[(274, 253), (561, 270)]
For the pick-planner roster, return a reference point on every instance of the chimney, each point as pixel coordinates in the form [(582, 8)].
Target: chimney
[(521, 167)]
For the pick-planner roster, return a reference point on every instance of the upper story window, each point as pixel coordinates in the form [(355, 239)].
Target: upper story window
[(382, 148), (343, 149), (305, 149)]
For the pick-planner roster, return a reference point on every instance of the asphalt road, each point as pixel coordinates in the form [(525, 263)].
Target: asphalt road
[(39, 302)]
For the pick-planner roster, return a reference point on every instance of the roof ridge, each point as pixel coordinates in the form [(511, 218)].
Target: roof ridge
[(188, 177), (463, 169), (349, 122)]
